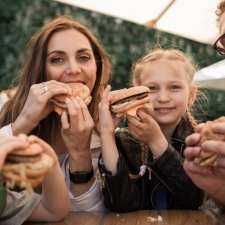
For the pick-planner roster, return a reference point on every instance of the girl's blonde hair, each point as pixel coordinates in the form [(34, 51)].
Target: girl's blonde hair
[(169, 54), (220, 9)]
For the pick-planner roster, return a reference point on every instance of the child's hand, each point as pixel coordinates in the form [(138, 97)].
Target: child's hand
[(147, 130), (9, 144), (107, 122)]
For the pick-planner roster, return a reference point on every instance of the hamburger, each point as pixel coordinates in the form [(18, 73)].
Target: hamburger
[(75, 89), (26, 168), (206, 159), (128, 100)]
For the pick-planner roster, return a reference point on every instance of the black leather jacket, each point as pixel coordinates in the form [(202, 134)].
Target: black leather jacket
[(165, 185)]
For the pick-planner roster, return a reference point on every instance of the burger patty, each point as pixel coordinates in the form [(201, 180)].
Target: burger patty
[(23, 159), (131, 98)]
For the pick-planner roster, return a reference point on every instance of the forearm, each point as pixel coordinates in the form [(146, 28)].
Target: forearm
[(22, 125), (110, 153), (55, 202), (158, 147)]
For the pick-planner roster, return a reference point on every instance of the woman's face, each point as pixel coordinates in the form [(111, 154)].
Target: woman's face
[(70, 58), (169, 90)]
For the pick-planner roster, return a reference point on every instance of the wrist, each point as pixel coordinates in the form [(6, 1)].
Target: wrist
[(158, 147), (20, 125), (80, 162)]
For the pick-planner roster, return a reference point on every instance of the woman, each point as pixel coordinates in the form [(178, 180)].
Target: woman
[(63, 51)]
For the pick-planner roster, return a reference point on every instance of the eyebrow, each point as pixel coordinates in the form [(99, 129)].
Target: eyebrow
[(62, 52)]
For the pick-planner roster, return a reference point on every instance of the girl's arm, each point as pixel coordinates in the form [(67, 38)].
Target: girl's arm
[(107, 128)]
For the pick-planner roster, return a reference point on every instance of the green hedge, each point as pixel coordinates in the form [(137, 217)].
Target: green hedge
[(124, 41)]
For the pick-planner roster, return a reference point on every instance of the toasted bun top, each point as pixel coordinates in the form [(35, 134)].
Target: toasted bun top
[(32, 149), (76, 89), (117, 95)]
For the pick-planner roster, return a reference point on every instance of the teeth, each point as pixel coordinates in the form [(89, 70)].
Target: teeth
[(163, 110)]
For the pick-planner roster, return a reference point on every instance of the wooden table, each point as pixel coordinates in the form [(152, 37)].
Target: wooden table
[(174, 217)]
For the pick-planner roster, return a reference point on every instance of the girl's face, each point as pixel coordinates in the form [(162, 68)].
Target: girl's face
[(169, 90), (70, 58)]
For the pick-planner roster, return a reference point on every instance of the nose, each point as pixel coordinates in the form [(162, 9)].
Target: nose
[(163, 96), (72, 68)]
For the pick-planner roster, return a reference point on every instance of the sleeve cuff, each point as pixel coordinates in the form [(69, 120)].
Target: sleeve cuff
[(6, 130)]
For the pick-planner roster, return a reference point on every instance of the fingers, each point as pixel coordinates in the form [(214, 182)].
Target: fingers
[(218, 127), (134, 122), (9, 144), (220, 163), (86, 115), (77, 115), (49, 89), (193, 139), (191, 152), (65, 121), (192, 169), (214, 146)]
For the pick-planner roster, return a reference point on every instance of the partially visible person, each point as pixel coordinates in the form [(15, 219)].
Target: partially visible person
[(17, 207), (210, 179), (6, 95), (142, 166), (63, 51)]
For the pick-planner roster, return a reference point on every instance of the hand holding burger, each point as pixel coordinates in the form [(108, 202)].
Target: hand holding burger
[(26, 167), (207, 133)]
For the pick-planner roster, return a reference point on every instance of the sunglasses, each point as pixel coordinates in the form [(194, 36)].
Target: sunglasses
[(219, 45)]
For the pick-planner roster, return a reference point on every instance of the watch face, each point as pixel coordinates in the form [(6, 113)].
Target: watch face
[(80, 177)]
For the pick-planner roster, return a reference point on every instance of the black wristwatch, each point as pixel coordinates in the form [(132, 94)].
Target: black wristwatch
[(81, 177)]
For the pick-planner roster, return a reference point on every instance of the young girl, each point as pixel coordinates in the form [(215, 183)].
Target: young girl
[(15, 207), (142, 165)]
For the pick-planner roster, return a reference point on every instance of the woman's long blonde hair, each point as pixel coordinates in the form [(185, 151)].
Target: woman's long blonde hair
[(34, 72), (169, 54)]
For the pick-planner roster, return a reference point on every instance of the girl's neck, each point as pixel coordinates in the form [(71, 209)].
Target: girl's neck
[(168, 130)]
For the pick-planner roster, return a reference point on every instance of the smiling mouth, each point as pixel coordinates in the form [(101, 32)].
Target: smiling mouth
[(164, 110)]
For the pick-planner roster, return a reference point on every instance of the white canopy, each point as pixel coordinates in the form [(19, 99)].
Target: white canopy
[(212, 76), (193, 19)]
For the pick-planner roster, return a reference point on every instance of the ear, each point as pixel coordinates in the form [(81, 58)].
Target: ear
[(193, 94)]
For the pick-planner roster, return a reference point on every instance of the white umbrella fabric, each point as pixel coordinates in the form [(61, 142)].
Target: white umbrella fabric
[(212, 77), (193, 19)]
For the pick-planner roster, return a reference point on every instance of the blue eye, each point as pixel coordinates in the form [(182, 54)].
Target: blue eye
[(84, 58), (56, 60), (175, 87), (152, 88)]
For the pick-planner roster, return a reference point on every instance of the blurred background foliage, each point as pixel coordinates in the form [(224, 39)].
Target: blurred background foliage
[(125, 42)]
